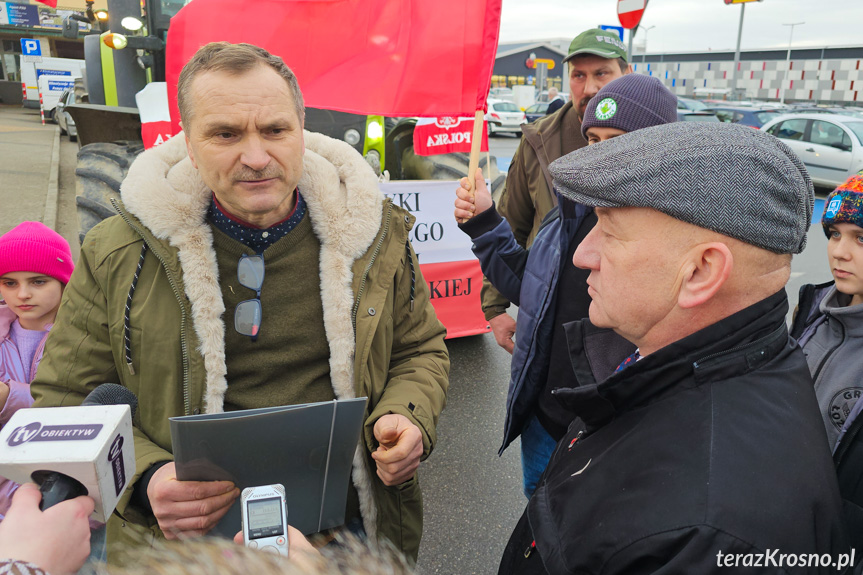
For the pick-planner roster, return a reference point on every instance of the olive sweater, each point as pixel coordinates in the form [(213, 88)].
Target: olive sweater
[(290, 361)]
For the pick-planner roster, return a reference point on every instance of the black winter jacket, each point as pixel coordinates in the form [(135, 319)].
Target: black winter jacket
[(711, 444)]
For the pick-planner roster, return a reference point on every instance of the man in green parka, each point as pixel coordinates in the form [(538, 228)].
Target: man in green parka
[(156, 302)]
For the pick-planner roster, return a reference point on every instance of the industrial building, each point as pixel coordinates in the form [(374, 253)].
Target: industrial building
[(818, 75)]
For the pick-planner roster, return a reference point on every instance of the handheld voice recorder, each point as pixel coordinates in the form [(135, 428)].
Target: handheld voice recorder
[(265, 518)]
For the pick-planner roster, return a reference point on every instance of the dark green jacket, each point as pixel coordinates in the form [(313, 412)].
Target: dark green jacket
[(385, 340)]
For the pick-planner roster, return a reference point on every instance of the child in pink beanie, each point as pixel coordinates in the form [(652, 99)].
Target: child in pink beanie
[(35, 265)]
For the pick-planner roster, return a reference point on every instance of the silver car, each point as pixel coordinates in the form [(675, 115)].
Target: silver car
[(62, 117), (830, 145)]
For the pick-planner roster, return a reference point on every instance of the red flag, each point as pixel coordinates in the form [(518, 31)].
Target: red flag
[(387, 57), (51, 3), (445, 135)]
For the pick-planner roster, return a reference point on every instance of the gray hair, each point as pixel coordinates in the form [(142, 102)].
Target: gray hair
[(234, 59)]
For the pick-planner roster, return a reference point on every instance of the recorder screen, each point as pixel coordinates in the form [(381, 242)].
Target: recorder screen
[(265, 518)]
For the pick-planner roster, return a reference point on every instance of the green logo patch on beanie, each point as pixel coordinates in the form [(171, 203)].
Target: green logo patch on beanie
[(606, 109)]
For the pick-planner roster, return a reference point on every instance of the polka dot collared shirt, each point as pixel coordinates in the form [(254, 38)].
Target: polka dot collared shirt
[(256, 238)]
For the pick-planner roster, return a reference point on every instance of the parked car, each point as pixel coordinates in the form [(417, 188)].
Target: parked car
[(852, 111), (501, 94), (689, 104), (535, 112), (504, 116), (543, 97), (829, 145), (808, 109), (690, 116), (752, 117), (62, 117)]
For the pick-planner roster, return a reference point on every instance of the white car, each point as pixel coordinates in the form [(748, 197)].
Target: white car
[(829, 145), (63, 118), (504, 116)]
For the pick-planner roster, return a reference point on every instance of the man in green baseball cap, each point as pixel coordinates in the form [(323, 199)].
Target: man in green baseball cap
[(596, 57), (593, 56)]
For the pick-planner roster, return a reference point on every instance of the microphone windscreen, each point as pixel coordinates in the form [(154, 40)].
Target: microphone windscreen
[(112, 394)]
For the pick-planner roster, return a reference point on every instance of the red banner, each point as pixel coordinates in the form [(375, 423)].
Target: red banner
[(155, 133), (454, 292), (397, 58), (445, 135)]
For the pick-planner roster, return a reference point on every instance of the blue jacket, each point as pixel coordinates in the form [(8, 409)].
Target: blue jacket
[(527, 278)]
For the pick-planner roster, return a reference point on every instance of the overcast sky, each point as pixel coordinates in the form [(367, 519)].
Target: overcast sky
[(694, 25)]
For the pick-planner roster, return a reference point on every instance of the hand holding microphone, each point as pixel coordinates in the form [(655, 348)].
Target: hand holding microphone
[(56, 540), (74, 451)]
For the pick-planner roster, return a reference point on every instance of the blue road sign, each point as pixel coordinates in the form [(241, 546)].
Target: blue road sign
[(31, 47), (618, 29)]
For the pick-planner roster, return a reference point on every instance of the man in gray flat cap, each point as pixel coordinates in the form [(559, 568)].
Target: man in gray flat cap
[(705, 451)]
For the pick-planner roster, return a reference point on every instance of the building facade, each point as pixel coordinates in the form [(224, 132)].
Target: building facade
[(512, 64), (819, 75)]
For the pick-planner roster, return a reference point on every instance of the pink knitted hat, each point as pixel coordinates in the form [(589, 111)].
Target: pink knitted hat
[(34, 247)]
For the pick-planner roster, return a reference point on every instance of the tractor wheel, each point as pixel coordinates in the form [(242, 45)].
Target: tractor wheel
[(101, 168), (450, 167)]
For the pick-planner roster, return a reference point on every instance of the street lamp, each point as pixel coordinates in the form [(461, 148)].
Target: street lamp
[(788, 59), (644, 54)]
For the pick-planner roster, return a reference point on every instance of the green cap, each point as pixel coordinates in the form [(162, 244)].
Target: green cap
[(602, 43)]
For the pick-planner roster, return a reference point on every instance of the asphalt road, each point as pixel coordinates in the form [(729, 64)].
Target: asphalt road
[(25, 165)]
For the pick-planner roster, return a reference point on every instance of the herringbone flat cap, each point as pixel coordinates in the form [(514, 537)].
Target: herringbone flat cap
[(731, 179)]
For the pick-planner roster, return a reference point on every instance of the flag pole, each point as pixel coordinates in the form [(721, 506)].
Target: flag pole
[(475, 146)]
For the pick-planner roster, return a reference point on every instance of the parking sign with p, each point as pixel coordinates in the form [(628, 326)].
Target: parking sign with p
[(31, 47)]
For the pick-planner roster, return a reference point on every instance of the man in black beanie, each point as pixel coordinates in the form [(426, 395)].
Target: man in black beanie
[(536, 279)]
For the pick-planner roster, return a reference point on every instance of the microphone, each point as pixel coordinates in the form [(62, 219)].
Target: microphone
[(112, 394), (58, 487), (73, 451)]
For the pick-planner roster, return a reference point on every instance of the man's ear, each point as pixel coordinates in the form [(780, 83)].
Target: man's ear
[(706, 272), (188, 145)]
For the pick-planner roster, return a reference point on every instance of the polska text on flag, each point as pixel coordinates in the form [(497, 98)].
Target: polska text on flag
[(445, 135)]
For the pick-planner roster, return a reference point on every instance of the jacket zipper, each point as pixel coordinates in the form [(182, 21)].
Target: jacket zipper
[(575, 439), (369, 267), (718, 353), (828, 354), (178, 295)]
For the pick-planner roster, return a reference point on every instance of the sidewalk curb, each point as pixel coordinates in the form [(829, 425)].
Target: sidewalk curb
[(51, 198)]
